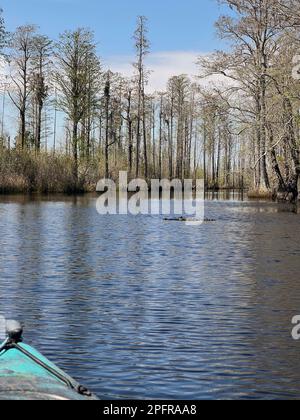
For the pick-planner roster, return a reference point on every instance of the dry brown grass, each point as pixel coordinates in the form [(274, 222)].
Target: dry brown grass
[(24, 172), (261, 194)]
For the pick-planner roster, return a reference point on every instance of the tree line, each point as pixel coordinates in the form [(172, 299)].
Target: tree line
[(242, 132), (261, 99)]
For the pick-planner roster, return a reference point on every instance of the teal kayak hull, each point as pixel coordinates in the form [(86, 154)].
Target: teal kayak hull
[(21, 378)]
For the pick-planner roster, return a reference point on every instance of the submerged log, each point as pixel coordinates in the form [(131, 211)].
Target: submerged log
[(187, 219)]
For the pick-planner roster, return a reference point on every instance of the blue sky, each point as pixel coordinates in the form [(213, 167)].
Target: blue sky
[(175, 25), (179, 31)]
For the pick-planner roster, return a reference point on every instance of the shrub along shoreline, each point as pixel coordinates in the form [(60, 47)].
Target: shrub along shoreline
[(27, 172)]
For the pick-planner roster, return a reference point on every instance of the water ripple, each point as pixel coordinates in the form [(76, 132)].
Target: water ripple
[(140, 308)]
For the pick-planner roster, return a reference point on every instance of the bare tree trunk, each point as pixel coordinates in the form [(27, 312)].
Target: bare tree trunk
[(171, 154), (213, 171), (39, 127), (107, 124), (204, 155), (138, 141), (139, 110), (153, 141), (179, 162), (75, 153), (160, 138), (142, 49), (218, 159), (129, 133), (294, 148), (195, 158), (263, 124), (258, 140), (145, 137), (23, 128)]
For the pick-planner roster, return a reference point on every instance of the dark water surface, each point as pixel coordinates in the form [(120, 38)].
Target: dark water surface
[(135, 307)]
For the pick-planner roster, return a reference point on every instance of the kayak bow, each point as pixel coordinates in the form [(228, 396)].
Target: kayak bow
[(25, 374)]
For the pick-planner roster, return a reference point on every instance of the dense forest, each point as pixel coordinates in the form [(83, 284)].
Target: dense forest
[(239, 129)]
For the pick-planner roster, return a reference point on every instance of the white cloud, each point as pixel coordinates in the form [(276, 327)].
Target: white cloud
[(162, 65)]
